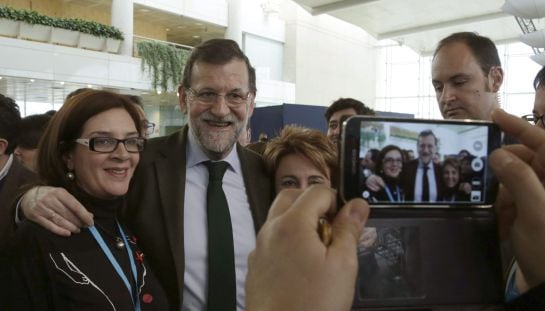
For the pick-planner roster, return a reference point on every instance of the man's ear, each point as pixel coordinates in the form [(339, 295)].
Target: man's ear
[(496, 78), (182, 98), (251, 106)]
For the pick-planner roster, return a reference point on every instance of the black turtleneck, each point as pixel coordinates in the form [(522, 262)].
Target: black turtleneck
[(52, 272)]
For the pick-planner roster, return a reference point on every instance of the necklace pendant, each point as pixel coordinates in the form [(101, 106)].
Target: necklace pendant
[(119, 243)]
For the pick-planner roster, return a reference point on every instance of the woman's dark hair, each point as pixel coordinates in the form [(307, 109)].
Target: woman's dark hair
[(67, 125), (382, 154), (454, 163)]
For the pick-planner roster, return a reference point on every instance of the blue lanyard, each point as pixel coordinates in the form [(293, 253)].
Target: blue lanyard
[(389, 194), (135, 297)]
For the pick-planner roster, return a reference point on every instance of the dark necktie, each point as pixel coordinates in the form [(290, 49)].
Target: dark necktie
[(221, 258), (425, 185)]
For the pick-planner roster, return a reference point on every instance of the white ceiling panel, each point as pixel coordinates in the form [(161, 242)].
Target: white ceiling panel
[(420, 24)]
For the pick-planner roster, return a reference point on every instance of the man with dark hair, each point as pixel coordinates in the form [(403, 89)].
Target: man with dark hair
[(466, 76), (538, 112), (421, 177), (168, 196), (341, 109), (32, 128), (12, 174)]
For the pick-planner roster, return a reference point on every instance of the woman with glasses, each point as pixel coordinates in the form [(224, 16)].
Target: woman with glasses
[(538, 112), (90, 148), (388, 166)]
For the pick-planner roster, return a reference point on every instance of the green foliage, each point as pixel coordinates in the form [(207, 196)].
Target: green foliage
[(35, 18), (164, 62)]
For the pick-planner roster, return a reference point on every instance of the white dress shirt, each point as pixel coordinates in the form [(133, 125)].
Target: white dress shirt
[(195, 225), (431, 182), (4, 171)]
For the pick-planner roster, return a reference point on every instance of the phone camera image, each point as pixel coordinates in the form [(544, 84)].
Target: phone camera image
[(418, 162)]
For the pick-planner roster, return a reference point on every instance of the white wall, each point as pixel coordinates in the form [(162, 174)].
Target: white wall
[(27, 59), (327, 58)]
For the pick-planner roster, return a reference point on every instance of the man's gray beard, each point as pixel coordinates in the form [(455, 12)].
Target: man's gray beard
[(216, 151)]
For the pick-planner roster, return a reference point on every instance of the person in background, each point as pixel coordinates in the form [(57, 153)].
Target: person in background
[(452, 175), (13, 174), (91, 148), (147, 126), (343, 107), (538, 112), (300, 157), (466, 75), (32, 128), (315, 276)]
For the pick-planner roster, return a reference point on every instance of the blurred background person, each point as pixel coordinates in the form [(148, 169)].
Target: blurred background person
[(91, 149), (147, 126), (300, 157), (32, 128), (340, 110)]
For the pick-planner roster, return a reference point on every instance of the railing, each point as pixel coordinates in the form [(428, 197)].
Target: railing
[(137, 39)]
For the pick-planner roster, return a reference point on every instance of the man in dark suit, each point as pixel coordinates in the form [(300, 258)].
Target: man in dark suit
[(421, 177), (12, 173), (168, 195)]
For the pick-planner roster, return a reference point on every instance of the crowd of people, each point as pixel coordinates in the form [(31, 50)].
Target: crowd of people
[(393, 174), (195, 221)]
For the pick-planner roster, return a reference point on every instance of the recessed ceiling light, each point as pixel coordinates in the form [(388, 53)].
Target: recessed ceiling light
[(0, 78), (167, 29), (144, 10), (90, 86), (196, 37), (61, 82), (31, 80)]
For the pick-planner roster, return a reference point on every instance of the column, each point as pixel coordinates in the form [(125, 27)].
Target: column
[(122, 18), (234, 21)]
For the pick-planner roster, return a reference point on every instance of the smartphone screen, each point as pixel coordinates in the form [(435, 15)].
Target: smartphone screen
[(418, 163)]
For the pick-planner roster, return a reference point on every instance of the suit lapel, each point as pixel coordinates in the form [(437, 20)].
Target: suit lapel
[(257, 183), (170, 173)]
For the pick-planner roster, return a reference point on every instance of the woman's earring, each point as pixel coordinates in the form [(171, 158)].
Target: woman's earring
[(70, 176)]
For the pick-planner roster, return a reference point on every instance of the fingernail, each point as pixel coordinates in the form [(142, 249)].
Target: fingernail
[(357, 211)]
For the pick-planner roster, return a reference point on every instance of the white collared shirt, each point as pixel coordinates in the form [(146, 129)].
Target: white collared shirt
[(195, 225), (4, 171), (431, 182)]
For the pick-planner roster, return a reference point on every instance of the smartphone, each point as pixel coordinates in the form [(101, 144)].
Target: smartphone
[(434, 249), (394, 162)]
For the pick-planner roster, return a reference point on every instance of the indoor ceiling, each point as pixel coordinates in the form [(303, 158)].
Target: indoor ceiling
[(420, 24), (180, 29)]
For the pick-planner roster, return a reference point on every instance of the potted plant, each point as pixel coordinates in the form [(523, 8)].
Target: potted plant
[(9, 22), (35, 26), (64, 32), (164, 62)]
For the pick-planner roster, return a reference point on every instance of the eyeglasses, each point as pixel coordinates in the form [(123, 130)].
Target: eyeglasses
[(392, 161), (109, 144), (149, 127), (233, 99), (532, 118)]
